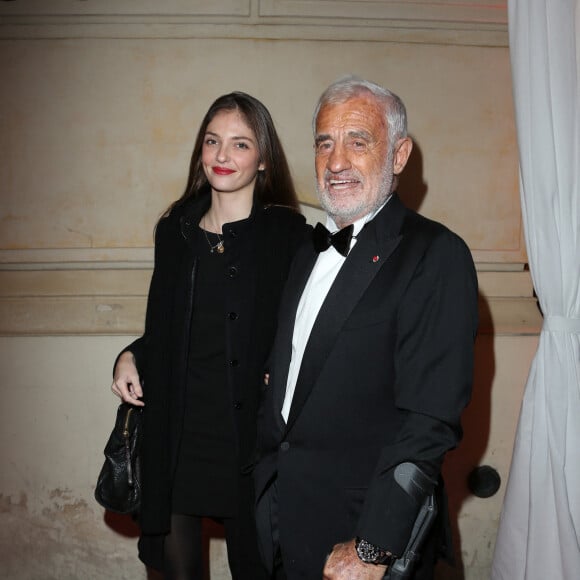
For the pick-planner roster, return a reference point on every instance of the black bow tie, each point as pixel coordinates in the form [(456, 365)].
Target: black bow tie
[(323, 239)]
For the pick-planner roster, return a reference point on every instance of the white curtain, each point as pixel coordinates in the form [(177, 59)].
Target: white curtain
[(539, 530)]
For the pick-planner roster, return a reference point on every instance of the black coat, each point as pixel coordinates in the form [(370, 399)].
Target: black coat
[(258, 252), (386, 374)]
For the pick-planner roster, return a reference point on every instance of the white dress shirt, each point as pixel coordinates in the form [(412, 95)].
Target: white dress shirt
[(321, 278)]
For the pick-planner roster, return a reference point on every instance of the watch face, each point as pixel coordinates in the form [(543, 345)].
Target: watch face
[(366, 551), (371, 554)]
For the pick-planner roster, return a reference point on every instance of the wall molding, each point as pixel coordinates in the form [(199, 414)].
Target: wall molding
[(444, 11), (100, 8), (76, 258), (59, 299), (476, 23)]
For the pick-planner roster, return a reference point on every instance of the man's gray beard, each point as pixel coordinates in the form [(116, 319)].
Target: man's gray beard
[(346, 215)]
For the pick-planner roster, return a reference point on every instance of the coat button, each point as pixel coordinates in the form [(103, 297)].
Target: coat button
[(234, 362), (284, 446), (233, 315), (232, 271), (237, 405)]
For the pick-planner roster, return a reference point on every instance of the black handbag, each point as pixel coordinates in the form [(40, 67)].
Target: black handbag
[(119, 482)]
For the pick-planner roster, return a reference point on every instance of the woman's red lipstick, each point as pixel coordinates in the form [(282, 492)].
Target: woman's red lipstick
[(222, 170)]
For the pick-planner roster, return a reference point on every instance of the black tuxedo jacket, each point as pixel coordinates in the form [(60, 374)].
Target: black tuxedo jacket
[(386, 374)]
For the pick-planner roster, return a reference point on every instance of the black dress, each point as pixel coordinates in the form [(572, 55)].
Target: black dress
[(206, 478), (255, 265)]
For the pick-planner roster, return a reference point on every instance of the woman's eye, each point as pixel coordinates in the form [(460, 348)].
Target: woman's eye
[(242, 145), (210, 141)]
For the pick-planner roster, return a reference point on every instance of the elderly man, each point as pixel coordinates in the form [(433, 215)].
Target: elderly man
[(372, 364)]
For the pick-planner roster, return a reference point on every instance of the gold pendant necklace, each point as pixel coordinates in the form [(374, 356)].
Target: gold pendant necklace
[(219, 247)]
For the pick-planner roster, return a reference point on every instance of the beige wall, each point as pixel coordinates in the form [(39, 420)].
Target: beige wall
[(99, 104)]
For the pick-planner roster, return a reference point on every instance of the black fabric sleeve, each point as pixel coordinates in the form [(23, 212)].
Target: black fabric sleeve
[(436, 326)]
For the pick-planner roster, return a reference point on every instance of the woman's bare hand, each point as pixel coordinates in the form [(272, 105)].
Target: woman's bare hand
[(126, 384)]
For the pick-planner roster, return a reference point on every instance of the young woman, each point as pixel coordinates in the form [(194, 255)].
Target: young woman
[(222, 252)]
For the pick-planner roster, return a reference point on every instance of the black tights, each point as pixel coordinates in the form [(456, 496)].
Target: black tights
[(184, 551)]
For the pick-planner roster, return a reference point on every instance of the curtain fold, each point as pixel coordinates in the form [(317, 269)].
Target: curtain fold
[(539, 530)]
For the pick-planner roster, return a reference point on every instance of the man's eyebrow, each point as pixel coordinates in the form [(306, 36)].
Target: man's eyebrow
[(352, 134), (361, 135), (321, 137)]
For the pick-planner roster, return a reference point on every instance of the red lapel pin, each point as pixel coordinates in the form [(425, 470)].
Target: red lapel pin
[(375, 259)]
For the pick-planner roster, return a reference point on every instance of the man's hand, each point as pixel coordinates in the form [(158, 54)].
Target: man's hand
[(344, 564)]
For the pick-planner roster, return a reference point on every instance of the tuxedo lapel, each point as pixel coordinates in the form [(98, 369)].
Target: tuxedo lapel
[(300, 271), (375, 243)]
